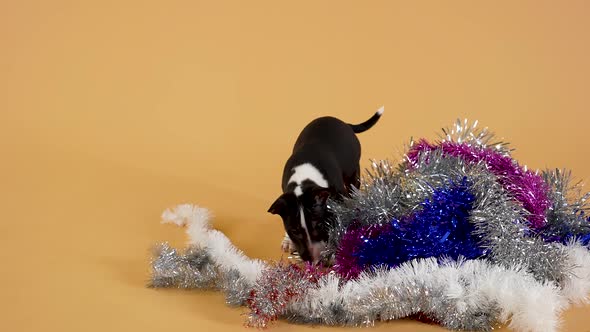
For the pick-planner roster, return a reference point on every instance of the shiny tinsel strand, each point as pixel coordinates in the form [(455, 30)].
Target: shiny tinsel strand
[(235, 287), (566, 217), (278, 287), (191, 269), (471, 134), (194, 269)]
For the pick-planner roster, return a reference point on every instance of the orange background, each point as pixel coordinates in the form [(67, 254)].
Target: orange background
[(112, 111)]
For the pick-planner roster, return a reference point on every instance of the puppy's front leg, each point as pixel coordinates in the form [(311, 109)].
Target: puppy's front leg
[(287, 245)]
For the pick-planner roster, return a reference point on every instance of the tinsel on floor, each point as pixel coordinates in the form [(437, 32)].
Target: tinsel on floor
[(458, 232)]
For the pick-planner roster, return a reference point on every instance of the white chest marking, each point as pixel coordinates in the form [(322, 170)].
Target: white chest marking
[(315, 248), (304, 225), (305, 172)]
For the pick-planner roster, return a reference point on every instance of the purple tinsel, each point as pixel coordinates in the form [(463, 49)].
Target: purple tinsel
[(525, 186)]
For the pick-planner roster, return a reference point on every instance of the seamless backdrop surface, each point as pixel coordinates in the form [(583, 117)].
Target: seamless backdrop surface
[(112, 111)]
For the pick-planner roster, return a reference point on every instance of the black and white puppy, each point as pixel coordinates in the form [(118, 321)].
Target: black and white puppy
[(325, 163)]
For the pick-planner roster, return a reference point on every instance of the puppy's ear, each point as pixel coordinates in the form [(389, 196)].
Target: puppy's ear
[(280, 206)]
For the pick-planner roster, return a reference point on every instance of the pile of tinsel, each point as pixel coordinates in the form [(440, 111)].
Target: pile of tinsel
[(459, 233)]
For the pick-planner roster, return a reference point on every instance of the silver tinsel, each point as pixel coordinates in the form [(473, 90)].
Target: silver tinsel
[(503, 227), (463, 132), (567, 214), (192, 269), (236, 288)]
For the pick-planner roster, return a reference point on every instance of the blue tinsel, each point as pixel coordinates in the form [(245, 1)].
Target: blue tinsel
[(440, 229)]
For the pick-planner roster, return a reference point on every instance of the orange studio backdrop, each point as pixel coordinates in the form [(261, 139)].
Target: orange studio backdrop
[(112, 111)]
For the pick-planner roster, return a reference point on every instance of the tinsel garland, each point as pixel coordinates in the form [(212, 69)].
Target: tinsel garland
[(277, 288), (440, 228), (566, 219), (464, 295), (476, 145), (471, 294), (498, 220), (459, 233), (524, 185)]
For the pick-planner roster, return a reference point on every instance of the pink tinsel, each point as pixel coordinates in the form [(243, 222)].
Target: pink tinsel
[(276, 288)]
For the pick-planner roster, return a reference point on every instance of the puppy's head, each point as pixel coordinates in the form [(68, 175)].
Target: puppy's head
[(305, 218)]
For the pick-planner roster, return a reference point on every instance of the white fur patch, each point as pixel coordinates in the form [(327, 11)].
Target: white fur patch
[(287, 245), (315, 248), (381, 110), (304, 225), (305, 172)]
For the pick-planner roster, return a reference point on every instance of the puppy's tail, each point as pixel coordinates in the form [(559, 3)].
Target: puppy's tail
[(359, 128)]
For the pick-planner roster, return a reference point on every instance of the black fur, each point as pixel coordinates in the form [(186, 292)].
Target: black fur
[(331, 146)]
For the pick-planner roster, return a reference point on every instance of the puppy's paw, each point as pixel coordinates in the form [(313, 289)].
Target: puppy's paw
[(287, 245)]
